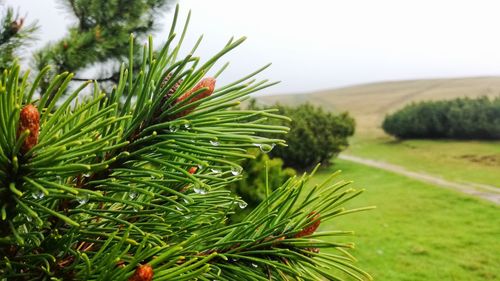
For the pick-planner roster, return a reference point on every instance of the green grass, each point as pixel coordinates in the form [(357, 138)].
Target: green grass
[(462, 161), (418, 231)]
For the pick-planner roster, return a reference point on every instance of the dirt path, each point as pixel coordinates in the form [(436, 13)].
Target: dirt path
[(487, 192)]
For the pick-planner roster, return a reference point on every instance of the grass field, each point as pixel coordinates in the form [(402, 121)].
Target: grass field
[(418, 231), (461, 161)]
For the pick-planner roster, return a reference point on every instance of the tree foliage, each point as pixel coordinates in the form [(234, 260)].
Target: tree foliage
[(461, 118), (100, 33), (14, 34), (103, 187), (316, 136)]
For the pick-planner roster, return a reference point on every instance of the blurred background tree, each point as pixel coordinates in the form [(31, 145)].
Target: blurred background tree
[(100, 34), (99, 37), (14, 35), (316, 136)]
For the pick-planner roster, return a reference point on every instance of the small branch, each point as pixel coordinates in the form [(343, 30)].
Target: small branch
[(77, 14)]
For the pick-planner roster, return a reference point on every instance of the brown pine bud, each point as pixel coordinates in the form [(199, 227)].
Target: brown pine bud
[(308, 230), (174, 88), (16, 25), (193, 170), (208, 83), (29, 119), (142, 273), (167, 95)]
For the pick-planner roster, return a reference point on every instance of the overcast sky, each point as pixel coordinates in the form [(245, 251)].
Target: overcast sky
[(317, 45)]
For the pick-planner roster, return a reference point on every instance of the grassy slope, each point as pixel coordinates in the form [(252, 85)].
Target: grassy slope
[(418, 231)]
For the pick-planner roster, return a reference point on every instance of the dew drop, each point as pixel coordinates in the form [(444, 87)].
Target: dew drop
[(28, 218), (173, 128), (187, 126), (37, 195), (254, 265), (200, 166), (132, 194), (242, 204), (156, 176), (216, 171), (266, 148), (236, 170), (200, 189), (214, 143), (83, 199)]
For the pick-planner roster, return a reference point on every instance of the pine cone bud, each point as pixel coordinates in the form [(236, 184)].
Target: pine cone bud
[(16, 25), (29, 119), (313, 216), (193, 170), (174, 88), (169, 93), (208, 83), (142, 273)]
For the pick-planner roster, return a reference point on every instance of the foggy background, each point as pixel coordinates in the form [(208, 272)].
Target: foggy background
[(317, 45)]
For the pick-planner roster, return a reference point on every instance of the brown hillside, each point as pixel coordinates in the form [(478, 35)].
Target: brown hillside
[(369, 103)]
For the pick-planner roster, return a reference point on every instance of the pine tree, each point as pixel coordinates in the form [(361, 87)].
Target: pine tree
[(14, 35), (130, 185), (100, 33)]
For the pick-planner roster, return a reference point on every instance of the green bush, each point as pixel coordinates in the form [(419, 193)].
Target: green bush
[(461, 118), (315, 136)]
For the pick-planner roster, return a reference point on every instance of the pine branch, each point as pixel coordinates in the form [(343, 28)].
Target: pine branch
[(132, 184)]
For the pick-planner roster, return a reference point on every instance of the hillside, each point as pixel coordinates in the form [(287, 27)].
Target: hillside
[(369, 103)]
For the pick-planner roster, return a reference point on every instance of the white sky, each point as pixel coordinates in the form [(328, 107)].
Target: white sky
[(326, 44)]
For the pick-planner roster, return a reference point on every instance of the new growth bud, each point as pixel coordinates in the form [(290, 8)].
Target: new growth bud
[(29, 119), (208, 83), (16, 25), (193, 170), (308, 230), (142, 273)]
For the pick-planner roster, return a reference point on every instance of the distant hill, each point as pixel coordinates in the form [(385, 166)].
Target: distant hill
[(369, 103)]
